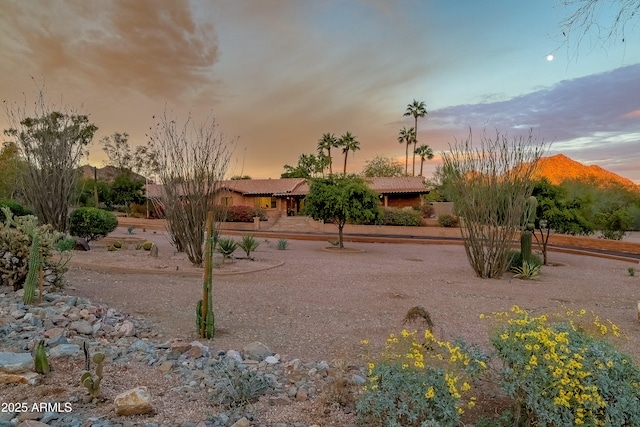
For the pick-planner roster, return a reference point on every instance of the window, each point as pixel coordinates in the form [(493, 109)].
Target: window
[(265, 202)]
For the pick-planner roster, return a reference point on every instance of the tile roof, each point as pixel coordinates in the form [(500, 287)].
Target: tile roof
[(300, 187), (400, 184), (257, 187)]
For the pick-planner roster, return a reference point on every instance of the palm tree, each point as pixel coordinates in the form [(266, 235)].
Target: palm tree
[(348, 143), (406, 136), (425, 152), (416, 109), (327, 142)]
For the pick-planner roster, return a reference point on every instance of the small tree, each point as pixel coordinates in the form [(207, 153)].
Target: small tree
[(382, 166), (191, 160), (489, 186), (342, 199), (52, 142), (557, 213), (92, 223)]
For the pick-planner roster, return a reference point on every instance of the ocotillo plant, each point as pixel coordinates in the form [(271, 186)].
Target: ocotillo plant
[(34, 269), (527, 232), (205, 319)]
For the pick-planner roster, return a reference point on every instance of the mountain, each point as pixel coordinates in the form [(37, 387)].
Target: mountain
[(560, 168), (107, 173)]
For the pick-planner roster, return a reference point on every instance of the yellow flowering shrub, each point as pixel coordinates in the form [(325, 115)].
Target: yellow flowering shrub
[(564, 376), (419, 381)]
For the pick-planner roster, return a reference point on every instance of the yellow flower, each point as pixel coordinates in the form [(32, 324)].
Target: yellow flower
[(364, 342), (504, 336), (430, 393), (371, 365), (405, 333)]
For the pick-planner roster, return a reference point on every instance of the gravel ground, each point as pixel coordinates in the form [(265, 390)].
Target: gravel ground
[(319, 305)]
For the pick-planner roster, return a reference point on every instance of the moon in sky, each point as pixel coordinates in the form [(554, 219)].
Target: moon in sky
[(549, 57)]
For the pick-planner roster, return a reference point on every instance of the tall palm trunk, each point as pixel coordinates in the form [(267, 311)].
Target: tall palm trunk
[(406, 158), (329, 154), (346, 154), (421, 164), (415, 140)]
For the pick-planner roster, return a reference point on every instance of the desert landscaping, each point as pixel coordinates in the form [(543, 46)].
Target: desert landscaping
[(310, 308)]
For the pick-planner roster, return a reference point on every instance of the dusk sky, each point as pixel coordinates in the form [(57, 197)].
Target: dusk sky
[(278, 74)]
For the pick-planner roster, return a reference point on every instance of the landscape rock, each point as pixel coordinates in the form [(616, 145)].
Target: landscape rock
[(82, 244), (31, 378), (242, 422), (133, 402), (32, 423), (256, 351), (125, 329), (64, 350), (81, 327), (13, 363)]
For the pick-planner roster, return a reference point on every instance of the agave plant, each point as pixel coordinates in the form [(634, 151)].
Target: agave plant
[(248, 244), (527, 271), (227, 246)]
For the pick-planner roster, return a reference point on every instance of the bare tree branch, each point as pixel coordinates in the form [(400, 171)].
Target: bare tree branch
[(192, 160)]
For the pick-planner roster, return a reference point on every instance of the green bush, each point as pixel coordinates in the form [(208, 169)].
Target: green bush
[(16, 209), (420, 382), (563, 376), (92, 223), (65, 244), (426, 211), (403, 217), (447, 220)]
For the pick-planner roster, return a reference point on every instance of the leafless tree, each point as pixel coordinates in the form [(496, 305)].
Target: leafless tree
[(601, 22), (191, 161), (489, 185), (52, 141)]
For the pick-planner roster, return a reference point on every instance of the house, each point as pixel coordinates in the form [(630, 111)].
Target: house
[(285, 196)]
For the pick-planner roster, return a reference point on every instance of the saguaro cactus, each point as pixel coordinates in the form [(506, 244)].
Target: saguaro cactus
[(34, 269), (205, 319), (527, 233)]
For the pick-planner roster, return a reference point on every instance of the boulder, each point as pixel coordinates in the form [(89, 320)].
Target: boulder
[(256, 351), (82, 244), (81, 327), (64, 350), (15, 362), (133, 402)]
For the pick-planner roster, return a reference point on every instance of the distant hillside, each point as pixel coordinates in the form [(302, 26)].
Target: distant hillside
[(560, 168), (107, 173)]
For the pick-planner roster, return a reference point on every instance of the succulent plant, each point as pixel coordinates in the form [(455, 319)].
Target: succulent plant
[(40, 359), (87, 379)]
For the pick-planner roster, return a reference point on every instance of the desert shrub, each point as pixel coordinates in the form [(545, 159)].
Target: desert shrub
[(244, 214), (282, 244), (16, 209), (147, 245), (117, 244), (420, 382), (92, 223), (248, 244), (516, 260), (426, 210), (235, 386), (561, 375), (448, 220), (65, 244), (406, 217), (16, 237), (137, 210)]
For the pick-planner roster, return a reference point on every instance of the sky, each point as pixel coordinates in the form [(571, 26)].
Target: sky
[(277, 74)]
